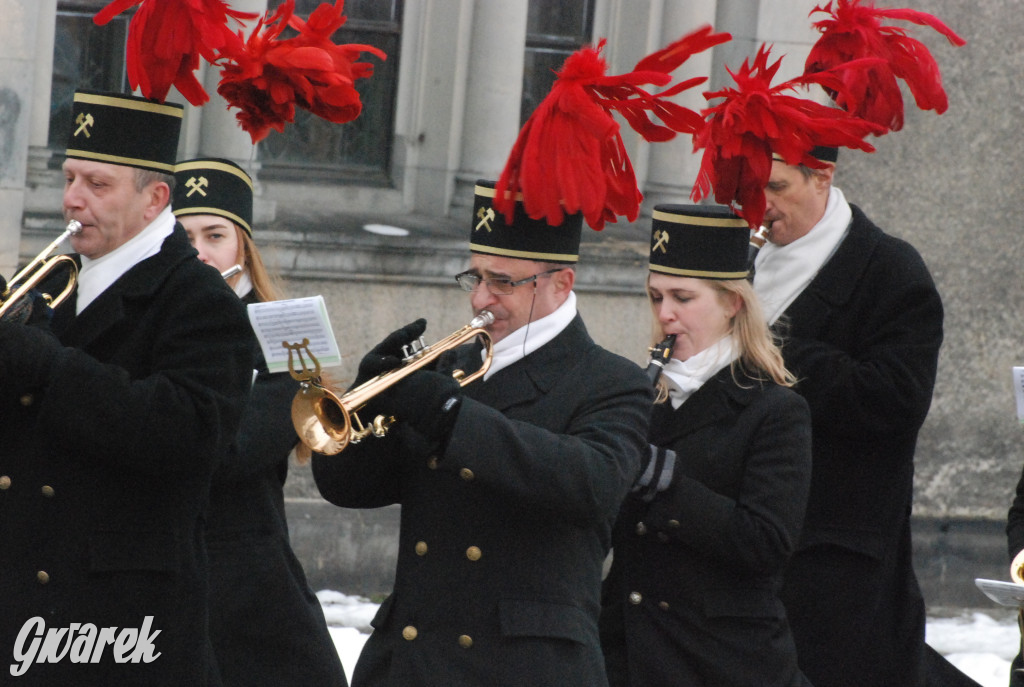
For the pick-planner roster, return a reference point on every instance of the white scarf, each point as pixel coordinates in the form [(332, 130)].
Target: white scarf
[(244, 285), (97, 275), (686, 376), (517, 346), (781, 273)]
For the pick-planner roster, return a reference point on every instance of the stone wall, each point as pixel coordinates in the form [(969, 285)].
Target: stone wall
[(951, 185)]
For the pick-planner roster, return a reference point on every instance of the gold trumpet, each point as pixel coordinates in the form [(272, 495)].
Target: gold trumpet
[(1017, 568), (328, 423), (13, 299)]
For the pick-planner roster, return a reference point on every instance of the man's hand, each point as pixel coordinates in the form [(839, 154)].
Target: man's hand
[(387, 355), (427, 401)]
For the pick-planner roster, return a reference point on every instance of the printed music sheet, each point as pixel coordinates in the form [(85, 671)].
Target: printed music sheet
[(293, 321)]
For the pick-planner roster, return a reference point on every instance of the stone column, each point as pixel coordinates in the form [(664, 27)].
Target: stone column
[(18, 34), (431, 100), (672, 166), (39, 127), (213, 131), (494, 87), (787, 28)]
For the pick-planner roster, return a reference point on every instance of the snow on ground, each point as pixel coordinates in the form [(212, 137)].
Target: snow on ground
[(980, 642)]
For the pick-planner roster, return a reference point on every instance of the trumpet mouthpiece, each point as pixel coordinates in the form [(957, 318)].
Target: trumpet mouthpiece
[(484, 319), (74, 227)]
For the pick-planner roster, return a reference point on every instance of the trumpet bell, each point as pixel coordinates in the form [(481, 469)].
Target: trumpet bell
[(319, 420), (1017, 568)]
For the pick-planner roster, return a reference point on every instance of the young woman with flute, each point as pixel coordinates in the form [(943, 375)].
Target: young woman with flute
[(266, 624), (702, 540)]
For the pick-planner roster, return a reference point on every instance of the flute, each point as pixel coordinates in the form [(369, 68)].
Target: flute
[(660, 355), (757, 241)]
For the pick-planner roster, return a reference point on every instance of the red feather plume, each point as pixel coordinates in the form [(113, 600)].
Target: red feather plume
[(267, 78), (166, 38), (569, 156), (855, 31), (755, 120)]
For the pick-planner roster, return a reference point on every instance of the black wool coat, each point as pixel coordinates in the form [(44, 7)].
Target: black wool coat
[(267, 626), (108, 452), (504, 531), (691, 599), (863, 340)]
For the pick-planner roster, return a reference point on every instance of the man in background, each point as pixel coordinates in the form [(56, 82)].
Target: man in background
[(862, 326)]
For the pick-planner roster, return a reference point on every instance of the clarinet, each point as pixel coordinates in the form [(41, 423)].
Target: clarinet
[(660, 355), (757, 241)]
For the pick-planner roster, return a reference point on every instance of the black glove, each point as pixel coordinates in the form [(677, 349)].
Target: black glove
[(387, 355), (26, 355), (30, 309), (427, 401), (656, 474)]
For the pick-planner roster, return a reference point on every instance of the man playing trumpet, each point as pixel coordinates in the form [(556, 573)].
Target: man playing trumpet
[(112, 423), (508, 486)]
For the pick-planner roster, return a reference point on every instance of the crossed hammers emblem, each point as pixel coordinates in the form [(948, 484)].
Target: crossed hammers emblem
[(196, 186), (660, 241), (84, 120), (486, 216)]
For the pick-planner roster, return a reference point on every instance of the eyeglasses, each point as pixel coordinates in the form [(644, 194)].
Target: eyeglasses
[(499, 286)]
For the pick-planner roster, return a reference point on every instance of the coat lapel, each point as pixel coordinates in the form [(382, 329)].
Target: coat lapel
[(716, 400), (835, 282), (138, 283), (534, 375)]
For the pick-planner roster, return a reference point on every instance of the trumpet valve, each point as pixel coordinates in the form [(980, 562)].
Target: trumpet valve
[(458, 375), (414, 349)]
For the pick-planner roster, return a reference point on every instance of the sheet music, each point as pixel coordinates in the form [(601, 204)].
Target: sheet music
[(1003, 593), (291, 321)]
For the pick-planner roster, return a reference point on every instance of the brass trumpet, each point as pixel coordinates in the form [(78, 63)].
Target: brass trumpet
[(12, 300), (1017, 568), (328, 423)]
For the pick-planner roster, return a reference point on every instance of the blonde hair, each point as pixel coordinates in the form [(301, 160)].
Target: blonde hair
[(760, 357)]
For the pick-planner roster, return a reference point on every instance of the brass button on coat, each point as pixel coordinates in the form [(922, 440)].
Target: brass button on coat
[(421, 548), (465, 641), (43, 577), (5, 482), (466, 474), (641, 529), (635, 598), (432, 462), (663, 605), (474, 553), (27, 400), (409, 632), (47, 491), (673, 524)]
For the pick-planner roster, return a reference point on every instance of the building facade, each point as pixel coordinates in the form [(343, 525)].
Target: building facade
[(374, 214)]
